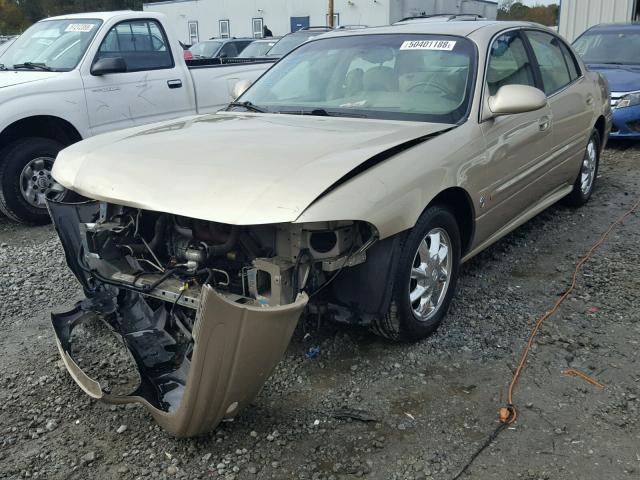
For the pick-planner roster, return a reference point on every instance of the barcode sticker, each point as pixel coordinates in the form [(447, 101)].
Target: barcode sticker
[(79, 27), (428, 45)]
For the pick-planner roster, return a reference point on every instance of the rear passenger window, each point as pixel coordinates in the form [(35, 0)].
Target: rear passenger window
[(141, 43), (509, 63), (554, 66), (572, 63)]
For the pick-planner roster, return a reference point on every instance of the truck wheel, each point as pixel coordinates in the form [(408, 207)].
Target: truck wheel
[(26, 182), (425, 278)]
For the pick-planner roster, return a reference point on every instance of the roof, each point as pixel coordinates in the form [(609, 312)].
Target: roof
[(616, 26), (461, 28), (104, 16)]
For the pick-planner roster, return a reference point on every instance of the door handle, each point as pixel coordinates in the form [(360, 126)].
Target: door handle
[(174, 83), (589, 100), (544, 123)]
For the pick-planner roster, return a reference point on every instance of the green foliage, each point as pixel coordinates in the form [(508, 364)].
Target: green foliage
[(17, 15), (543, 14)]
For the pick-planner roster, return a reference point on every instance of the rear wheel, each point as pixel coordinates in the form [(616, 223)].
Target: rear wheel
[(425, 277), (26, 182), (586, 180)]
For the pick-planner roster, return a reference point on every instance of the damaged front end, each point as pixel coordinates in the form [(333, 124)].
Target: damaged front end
[(205, 309)]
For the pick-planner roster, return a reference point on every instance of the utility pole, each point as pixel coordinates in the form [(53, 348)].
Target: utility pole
[(330, 14)]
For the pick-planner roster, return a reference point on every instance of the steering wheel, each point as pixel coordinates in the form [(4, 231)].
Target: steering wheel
[(434, 86)]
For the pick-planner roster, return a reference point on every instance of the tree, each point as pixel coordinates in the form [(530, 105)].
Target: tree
[(514, 10), (12, 19), (16, 15)]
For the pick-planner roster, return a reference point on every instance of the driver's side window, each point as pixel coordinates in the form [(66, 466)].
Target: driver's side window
[(509, 63), (141, 43)]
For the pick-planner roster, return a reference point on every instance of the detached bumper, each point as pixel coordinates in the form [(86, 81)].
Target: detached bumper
[(236, 348), (188, 386)]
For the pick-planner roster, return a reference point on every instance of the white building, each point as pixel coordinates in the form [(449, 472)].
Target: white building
[(195, 20), (578, 15)]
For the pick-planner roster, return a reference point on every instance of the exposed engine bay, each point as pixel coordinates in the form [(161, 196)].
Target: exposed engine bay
[(206, 309), (170, 257)]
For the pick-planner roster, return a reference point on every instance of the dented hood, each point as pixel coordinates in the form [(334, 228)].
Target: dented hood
[(234, 168)]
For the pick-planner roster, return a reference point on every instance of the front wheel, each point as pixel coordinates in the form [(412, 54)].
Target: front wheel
[(26, 182), (425, 277), (586, 181)]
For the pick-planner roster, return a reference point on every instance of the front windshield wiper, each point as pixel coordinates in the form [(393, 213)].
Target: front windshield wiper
[(321, 112), (318, 112), (248, 105), (33, 66)]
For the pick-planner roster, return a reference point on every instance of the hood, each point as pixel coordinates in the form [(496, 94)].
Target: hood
[(621, 78), (17, 77), (233, 168)]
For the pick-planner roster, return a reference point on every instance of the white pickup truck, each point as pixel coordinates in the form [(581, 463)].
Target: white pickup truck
[(70, 77)]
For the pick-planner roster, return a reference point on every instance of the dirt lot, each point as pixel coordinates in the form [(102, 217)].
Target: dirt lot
[(422, 410)]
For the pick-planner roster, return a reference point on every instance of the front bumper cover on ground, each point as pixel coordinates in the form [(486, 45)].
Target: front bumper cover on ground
[(188, 391)]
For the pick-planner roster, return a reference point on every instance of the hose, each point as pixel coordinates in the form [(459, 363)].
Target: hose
[(222, 248), (158, 232)]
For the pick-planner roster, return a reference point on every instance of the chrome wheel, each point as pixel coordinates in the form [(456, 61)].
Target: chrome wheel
[(431, 274), (588, 169), (37, 185)]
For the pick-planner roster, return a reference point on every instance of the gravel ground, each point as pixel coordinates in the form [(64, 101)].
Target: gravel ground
[(365, 407)]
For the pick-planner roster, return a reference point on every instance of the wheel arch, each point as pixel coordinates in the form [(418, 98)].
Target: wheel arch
[(46, 126), (458, 200), (600, 126)]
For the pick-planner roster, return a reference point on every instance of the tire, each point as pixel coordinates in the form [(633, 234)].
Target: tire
[(402, 322), (40, 154), (589, 166)]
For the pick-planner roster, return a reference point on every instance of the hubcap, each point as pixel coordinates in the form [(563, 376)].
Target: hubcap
[(588, 170), (37, 185), (430, 274)]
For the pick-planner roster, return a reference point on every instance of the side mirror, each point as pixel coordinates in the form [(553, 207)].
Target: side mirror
[(108, 65), (511, 99), (239, 88)]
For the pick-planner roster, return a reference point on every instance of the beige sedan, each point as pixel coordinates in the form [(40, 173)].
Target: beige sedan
[(350, 181)]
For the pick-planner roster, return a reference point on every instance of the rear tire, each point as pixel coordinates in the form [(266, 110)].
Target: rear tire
[(25, 179), (585, 183), (425, 277)]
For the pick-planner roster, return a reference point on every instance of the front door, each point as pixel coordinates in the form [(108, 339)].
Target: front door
[(153, 88), (517, 145), (299, 22)]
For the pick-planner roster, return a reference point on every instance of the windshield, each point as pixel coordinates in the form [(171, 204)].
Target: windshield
[(257, 49), (609, 47), (406, 77), (205, 49), (288, 43), (52, 44)]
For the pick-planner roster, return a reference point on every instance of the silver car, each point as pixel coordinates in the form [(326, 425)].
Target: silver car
[(350, 181)]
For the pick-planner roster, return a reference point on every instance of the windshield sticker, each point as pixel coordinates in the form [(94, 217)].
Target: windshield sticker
[(428, 45), (79, 27)]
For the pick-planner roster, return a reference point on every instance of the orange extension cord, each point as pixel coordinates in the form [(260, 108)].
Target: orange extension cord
[(509, 414)]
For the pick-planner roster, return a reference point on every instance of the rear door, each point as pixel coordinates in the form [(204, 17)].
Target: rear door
[(155, 87), (517, 145), (571, 100)]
